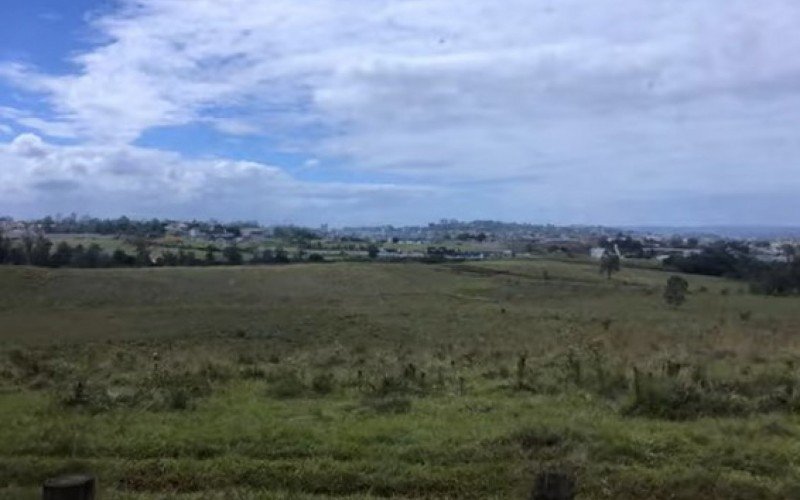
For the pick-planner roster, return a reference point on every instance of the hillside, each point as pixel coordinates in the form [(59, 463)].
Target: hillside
[(366, 380)]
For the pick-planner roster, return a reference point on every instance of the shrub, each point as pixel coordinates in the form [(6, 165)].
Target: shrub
[(287, 384), (315, 257), (323, 383), (172, 390), (675, 291)]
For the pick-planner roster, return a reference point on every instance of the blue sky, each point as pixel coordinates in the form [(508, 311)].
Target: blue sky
[(402, 111)]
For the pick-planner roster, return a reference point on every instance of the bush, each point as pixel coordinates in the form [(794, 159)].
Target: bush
[(172, 390), (675, 292), (286, 384), (323, 383), (315, 257)]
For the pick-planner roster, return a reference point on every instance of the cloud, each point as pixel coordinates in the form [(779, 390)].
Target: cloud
[(574, 104), (48, 178)]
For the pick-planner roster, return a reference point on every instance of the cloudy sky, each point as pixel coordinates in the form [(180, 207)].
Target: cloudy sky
[(403, 111)]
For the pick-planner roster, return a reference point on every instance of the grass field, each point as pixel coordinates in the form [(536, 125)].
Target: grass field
[(366, 380)]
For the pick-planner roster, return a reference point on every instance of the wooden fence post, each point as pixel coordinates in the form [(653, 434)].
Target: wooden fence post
[(70, 487), (553, 486)]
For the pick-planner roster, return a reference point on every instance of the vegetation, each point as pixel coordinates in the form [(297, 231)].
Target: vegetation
[(395, 380), (675, 291), (609, 264), (733, 260), (38, 251)]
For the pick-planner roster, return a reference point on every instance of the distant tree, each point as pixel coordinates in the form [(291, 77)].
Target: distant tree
[(27, 248), (40, 251), (142, 251), (187, 258), (481, 237), (210, 260), (121, 259), (266, 256), (170, 258), (675, 291), (372, 251), (692, 242), (5, 248), (281, 256), (47, 224), (315, 257), (16, 256), (233, 256), (789, 251), (78, 256), (93, 256), (609, 264), (62, 256)]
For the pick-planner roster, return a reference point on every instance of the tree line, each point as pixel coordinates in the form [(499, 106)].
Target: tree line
[(731, 259), (40, 251)]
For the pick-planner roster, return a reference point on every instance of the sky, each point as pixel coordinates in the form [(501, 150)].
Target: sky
[(615, 112)]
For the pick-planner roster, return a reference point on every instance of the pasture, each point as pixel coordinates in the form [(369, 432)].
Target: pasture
[(368, 380)]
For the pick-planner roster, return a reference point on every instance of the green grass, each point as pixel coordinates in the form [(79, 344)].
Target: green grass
[(367, 380)]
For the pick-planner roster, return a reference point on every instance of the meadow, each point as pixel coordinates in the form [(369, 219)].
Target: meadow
[(371, 380)]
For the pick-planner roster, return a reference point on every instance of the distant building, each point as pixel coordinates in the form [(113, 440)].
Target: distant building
[(252, 232), (176, 228)]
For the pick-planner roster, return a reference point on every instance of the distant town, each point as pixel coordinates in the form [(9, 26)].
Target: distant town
[(447, 239)]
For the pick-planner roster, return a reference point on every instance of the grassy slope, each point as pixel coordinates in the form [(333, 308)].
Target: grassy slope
[(465, 431)]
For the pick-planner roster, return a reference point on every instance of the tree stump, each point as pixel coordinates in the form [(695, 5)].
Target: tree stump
[(553, 486), (69, 487)]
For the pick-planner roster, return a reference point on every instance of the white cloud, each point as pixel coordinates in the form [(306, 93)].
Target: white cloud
[(48, 178), (578, 103)]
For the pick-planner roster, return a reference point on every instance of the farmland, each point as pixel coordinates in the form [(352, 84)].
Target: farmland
[(372, 380)]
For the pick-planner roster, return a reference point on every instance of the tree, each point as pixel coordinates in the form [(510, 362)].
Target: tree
[(187, 258), (5, 248), (281, 256), (372, 251), (170, 258), (62, 256), (16, 256), (232, 255), (209, 259), (142, 252), (40, 251), (609, 264), (675, 292), (27, 248), (93, 256), (789, 251), (121, 259)]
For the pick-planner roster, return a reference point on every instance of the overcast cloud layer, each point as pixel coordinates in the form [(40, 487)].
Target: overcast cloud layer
[(617, 112)]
